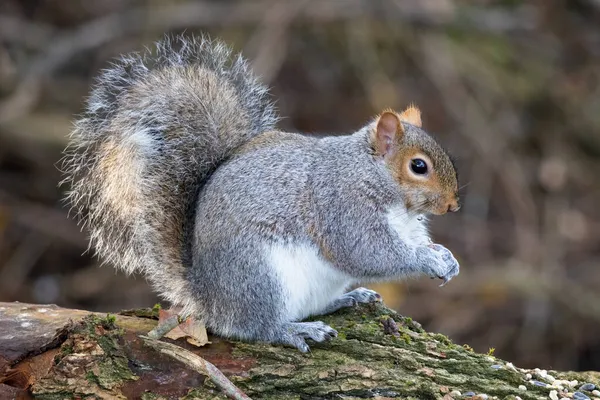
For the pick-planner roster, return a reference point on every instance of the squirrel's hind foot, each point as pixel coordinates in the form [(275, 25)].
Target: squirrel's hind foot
[(295, 334)]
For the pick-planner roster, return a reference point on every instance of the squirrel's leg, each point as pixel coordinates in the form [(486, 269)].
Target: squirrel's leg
[(352, 298), (295, 334)]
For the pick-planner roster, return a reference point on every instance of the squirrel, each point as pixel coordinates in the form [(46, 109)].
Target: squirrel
[(178, 171)]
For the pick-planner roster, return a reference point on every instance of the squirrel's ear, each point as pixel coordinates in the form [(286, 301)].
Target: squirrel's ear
[(412, 115), (388, 130)]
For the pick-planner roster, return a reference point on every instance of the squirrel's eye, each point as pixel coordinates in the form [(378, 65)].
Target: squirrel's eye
[(418, 166)]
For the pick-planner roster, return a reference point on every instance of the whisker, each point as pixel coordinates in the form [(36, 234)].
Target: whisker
[(417, 206), (464, 186)]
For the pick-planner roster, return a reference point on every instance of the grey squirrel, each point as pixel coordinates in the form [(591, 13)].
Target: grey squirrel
[(177, 169)]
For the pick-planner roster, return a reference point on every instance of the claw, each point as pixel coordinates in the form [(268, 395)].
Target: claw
[(303, 348)]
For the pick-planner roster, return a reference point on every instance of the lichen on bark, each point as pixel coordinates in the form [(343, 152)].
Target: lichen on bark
[(90, 363)]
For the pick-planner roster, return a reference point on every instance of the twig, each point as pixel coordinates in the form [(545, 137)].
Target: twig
[(164, 327), (198, 364)]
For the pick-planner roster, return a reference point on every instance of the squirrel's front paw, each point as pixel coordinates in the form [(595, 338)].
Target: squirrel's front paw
[(442, 263)]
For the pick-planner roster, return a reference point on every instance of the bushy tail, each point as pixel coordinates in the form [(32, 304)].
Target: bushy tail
[(154, 128)]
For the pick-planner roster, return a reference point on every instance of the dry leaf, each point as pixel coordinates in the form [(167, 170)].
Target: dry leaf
[(191, 329)]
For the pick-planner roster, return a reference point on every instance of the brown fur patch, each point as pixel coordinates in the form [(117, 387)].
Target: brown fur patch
[(433, 192), (266, 139), (119, 168), (320, 241), (412, 115)]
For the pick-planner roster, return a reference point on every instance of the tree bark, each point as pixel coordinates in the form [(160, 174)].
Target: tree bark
[(53, 353)]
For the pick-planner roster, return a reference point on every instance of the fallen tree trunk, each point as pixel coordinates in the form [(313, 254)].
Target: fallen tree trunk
[(54, 353)]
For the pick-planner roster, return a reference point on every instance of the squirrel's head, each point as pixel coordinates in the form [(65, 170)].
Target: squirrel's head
[(417, 162)]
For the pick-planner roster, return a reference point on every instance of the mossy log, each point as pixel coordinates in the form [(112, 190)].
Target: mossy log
[(50, 352)]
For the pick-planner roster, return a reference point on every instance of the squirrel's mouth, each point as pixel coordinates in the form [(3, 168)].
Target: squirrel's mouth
[(439, 209), (422, 206)]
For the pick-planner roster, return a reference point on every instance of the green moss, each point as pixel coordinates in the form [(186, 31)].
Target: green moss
[(455, 366), (192, 394), (407, 338), (90, 324), (442, 339), (63, 395), (154, 396), (66, 349), (409, 364), (507, 375), (412, 325), (150, 396), (110, 321), (111, 368), (113, 371), (91, 377)]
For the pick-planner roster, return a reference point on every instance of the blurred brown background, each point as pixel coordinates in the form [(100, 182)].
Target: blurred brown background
[(510, 87)]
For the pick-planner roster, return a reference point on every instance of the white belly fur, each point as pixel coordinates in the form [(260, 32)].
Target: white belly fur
[(412, 228), (309, 282)]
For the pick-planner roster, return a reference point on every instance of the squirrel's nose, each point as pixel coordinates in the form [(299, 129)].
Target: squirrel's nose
[(453, 207)]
